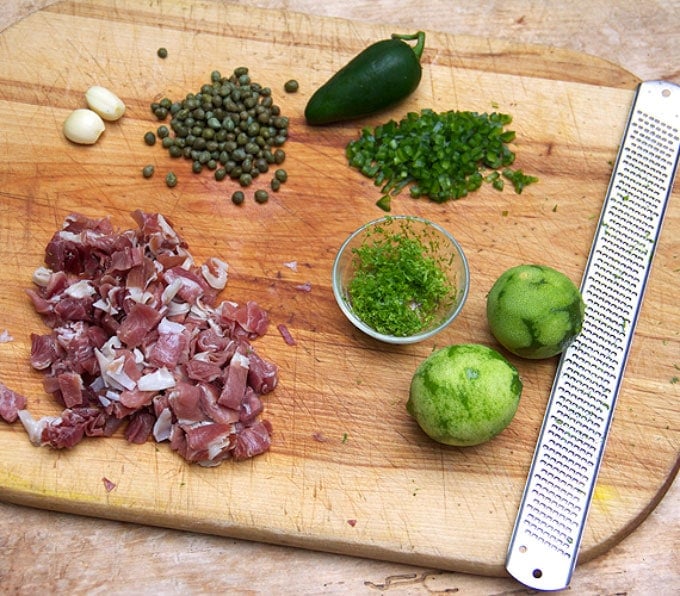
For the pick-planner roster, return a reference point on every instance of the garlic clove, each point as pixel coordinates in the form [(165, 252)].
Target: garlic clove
[(106, 103), (83, 126)]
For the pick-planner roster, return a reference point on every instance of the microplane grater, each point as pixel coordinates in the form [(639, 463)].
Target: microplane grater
[(552, 515)]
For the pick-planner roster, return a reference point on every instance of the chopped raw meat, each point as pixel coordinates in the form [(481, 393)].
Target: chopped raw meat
[(137, 339), (44, 351), (236, 381), (138, 324), (140, 427), (285, 333), (108, 485), (262, 375), (253, 440), (10, 404)]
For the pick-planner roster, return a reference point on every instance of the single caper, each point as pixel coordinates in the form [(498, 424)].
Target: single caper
[(281, 175), (291, 86), (162, 131), (238, 197), (162, 53), (147, 171), (261, 196), (171, 179), (150, 138)]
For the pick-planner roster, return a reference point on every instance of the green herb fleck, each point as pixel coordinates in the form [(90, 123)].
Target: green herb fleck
[(399, 285), (344, 437), (674, 380)]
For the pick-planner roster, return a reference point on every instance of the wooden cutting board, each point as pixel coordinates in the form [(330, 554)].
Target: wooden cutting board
[(374, 486)]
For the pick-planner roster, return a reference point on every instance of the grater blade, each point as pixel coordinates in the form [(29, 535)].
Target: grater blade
[(545, 541)]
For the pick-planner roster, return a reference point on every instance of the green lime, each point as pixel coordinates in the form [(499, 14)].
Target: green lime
[(464, 394), (534, 311)]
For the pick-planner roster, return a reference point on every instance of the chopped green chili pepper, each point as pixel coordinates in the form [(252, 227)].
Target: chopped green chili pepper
[(438, 155), (385, 202), (519, 179)]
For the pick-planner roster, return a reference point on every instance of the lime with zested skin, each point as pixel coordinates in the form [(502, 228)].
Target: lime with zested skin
[(534, 311), (464, 394)]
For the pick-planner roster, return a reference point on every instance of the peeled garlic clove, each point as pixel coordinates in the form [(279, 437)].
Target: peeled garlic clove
[(83, 126), (106, 103)]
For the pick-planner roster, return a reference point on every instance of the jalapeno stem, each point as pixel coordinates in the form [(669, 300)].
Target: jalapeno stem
[(420, 44)]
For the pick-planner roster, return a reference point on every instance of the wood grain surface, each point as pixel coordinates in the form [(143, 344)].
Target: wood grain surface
[(569, 111)]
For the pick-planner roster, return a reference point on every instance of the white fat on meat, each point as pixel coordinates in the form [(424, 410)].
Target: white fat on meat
[(113, 372), (215, 271), (139, 295), (41, 276), (34, 427), (158, 380), (105, 306), (71, 236), (162, 428), (80, 289), (168, 327), (201, 311), (171, 290)]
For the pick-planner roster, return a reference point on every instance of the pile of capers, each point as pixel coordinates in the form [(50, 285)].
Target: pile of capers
[(231, 127)]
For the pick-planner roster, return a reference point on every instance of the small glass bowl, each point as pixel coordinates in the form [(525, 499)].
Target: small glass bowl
[(438, 244)]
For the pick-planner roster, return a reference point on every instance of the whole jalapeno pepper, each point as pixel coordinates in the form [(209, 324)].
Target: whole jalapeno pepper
[(377, 78)]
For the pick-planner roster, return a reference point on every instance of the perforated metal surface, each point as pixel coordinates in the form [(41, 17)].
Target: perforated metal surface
[(544, 545)]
